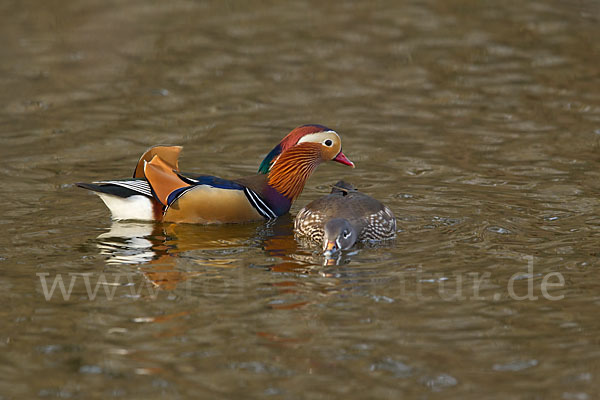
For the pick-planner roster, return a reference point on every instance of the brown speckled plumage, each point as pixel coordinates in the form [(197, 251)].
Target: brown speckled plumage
[(368, 217)]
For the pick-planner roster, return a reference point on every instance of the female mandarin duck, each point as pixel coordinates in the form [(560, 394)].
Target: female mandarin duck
[(344, 217), (159, 192)]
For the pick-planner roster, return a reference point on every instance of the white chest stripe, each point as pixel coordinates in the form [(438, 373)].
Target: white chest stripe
[(260, 206)]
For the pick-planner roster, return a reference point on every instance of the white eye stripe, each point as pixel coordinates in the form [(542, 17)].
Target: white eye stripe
[(318, 137)]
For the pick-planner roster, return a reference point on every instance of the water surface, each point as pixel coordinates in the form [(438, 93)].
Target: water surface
[(477, 123)]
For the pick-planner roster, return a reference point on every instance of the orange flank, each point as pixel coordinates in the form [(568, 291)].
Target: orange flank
[(209, 205)]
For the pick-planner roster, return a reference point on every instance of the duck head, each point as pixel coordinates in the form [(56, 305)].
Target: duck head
[(338, 234), (295, 158)]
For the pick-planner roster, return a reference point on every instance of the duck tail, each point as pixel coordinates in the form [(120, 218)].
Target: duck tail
[(128, 199), (135, 198)]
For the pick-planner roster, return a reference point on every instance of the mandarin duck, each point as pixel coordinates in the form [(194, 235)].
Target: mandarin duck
[(159, 192), (344, 217)]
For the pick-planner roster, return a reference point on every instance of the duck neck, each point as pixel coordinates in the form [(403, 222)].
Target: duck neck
[(290, 171)]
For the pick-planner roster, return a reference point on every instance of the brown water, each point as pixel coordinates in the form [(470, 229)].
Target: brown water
[(477, 122)]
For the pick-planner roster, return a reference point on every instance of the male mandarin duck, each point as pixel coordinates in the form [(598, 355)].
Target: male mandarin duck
[(344, 217), (159, 192)]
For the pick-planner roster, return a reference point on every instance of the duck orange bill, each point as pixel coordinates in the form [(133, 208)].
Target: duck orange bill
[(342, 159), (330, 246)]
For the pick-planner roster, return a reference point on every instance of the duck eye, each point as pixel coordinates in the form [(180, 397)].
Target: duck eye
[(328, 142), (346, 234)]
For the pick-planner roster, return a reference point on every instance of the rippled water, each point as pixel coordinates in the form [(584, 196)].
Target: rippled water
[(477, 123)]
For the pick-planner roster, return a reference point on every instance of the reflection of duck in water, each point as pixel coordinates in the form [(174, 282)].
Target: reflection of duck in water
[(344, 217), (169, 254), (158, 192), (128, 243), (142, 245)]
